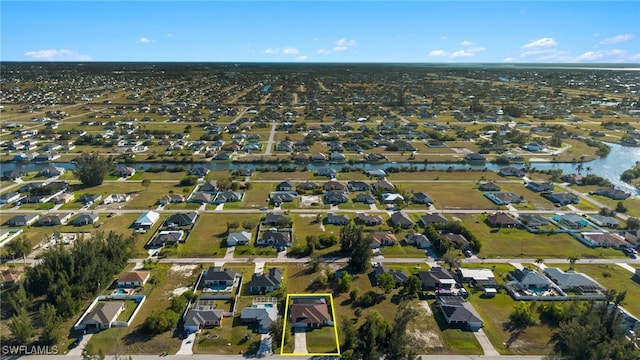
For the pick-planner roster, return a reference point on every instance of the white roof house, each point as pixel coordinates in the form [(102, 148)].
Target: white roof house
[(147, 219)]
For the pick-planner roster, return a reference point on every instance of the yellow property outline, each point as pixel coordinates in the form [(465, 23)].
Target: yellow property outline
[(333, 315)]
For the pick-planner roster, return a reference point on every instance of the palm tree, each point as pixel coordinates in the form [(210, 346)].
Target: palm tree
[(572, 261), (579, 168), (539, 261), (588, 169)]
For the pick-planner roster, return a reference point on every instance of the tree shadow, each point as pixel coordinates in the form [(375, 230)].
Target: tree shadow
[(515, 330)]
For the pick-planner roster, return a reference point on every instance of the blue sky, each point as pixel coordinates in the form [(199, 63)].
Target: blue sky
[(321, 31)]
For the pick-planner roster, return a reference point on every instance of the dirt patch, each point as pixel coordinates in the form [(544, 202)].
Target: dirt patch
[(425, 338), (186, 270), (181, 290), (310, 200), (425, 306)]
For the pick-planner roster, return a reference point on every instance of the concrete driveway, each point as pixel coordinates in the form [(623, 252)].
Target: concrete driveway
[(300, 338), (186, 348), (77, 351)]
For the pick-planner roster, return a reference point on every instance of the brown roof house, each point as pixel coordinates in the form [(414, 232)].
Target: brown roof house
[(382, 238), (132, 279), (310, 312), (502, 220)]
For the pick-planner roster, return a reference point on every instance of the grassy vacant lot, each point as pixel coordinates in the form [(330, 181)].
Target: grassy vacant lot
[(518, 242), (280, 176), (495, 312), (208, 235), (133, 340), (615, 277), (258, 196), (457, 196)]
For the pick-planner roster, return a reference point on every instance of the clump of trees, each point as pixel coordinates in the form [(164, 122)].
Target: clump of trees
[(441, 244), (66, 278), (92, 169), (161, 321), (357, 246)]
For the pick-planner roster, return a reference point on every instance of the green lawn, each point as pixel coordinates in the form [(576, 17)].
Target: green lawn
[(617, 278), (258, 196), (207, 237), (520, 243), (321, 341)]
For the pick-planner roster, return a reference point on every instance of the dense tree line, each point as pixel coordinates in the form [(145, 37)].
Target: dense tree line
[(441, 244), (68, 277)]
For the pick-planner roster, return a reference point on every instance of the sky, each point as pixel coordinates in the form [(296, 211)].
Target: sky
[(321, 31)]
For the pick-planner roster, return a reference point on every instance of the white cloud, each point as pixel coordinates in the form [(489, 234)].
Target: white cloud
[(509, 59), (57, 55), (443, 37), (290, 51), (301, 58), (340, 48), (466, 43), (438, 53), (461, 54), (476, 49), (608, 55), (617, 39), (540, 43), (323, 52), (145, 40), (272, 51), (345, 43)]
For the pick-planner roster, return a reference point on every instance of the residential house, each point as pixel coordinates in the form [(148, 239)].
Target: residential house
[(182, 219), (533, 220), (529, 279), (199, 171), (309, 313), (261, 313), (54, 219), (238, 238), (604, 239), (604, 221), (278, 198), (384, 185), (209, 186), (125, 171), (133, 279), (13, 175), (9, 197), (374, 157), (358, 186), (263, 283), (421, 198), (62, 198), (103, 315), (171, 199), (275, 219), (458, 240), (285, 186), (333, 185), (563, 198), (534, 146), (223, 197), (489, 186), (401, 219), (116, 198), (612, 193), (459, 313), (502, 220), (432, 219), (419, 240), (276, 238), (196, 320), (337, 157), (511, 171), (216, 276), (51, 171), (85, 219), (365, 198), (539, 187), (23, 220), (9, 276), (377, 173), (399, 276), (475, 158), (337, 219), (165, 237), (572, 178), (369, 220), (89, 199), (382, 238), (318, 157), (327, 172), (437, 277), (390, 198), (574, 282), (570, 220), (483, 278), (146, 220), (335, 198), (200, 198), (308, 185)]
